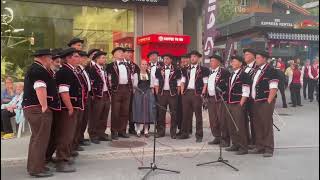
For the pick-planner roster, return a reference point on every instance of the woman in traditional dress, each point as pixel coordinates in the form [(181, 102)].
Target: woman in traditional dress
[(143, 106)]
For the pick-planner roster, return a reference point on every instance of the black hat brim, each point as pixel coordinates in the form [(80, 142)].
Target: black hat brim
[(117, 49), (98, 54), (72, 42), (219, 58), (238, 58), (152, 52), (250, 51), (196, 53)]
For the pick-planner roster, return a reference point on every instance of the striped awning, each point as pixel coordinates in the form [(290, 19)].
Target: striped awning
[(291, 36)]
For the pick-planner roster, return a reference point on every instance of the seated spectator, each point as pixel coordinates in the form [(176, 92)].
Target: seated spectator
[(12, 109), (8, 93)]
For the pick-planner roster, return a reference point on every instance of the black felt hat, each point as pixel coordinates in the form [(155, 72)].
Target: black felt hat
[(195, 52), (68, 51), (217, 57), (153, 52), (98, 54), (167, 55), (56, 53), (186, 55), (74, 41), (263, 53), (239, 58), (129, 49), (42, 52), (250, 51), (91, 51), (83, 54), (118, 49)]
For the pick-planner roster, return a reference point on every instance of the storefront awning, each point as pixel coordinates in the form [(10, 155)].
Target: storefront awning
[(291, 36)]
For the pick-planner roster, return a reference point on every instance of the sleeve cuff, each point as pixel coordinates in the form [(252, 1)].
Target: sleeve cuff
[(39, 84), (205, 80), (245, 91), (273, 85), (63, 88)]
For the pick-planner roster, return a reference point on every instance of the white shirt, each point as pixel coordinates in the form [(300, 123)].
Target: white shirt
[(212, 82), (310, 74), (87, 77), (153, 75), (166, 85), (249, 67), (234, 76), (123, 74), (272, 85), (192, 81), (103, 73)]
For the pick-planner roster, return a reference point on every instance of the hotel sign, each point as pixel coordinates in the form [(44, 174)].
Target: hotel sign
[(143, 2), (276, 23)]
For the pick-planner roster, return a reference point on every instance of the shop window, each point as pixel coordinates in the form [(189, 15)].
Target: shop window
[(244, 2), (264, 3), (45, 25)]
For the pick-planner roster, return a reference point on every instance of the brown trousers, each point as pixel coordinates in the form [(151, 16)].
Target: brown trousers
[(76, 136), (120, 109), (66, 126), (86, 117), (238, 138), (165, 100), (52, 144), (263, 125), (98, 123), (40, 124), (249, 123), (217, 119), (192, 104)]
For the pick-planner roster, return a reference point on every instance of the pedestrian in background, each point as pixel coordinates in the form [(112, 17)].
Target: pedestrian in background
[(295, 84)]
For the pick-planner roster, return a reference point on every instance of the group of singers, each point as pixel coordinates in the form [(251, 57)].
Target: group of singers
[(62, 100)]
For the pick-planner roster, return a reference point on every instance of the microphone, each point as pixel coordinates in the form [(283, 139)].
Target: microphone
[(218, 89)]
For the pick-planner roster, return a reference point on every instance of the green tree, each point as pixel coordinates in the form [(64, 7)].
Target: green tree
[(226, 10)]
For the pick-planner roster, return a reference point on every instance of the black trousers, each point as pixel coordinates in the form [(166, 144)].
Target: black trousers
[(5, 121), (311, 88), (179, 112), (295, 93), (282, 88), (305, 86), (131, 124)]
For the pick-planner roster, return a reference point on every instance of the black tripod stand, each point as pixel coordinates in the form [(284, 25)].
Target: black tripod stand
[(153, 166), (220, 159)]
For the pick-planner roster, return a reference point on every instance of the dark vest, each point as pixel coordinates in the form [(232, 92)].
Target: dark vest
[(97, 82), (37, 72), (267, 76), (174, 76), (113, 71), (66, 76), (84, 81), (201, 72), (252, 70), (221, 81), (235, 89)]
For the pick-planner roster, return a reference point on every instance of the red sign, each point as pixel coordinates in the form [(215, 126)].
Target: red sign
[(176, 45)]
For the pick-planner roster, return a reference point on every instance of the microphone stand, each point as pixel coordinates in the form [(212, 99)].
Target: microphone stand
[(220, 158), (153, 166)]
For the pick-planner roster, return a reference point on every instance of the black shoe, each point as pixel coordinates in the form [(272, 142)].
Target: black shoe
[(293, 106), (115, 136), (79, 148), (285, 106), (224, 144), (160, 135), (215, 141), (173, 136), (267, 154), (290, 103), (95, 141), (183, 137), (65, 167), (311, 100), (300, 105), (74, 154), (104, 138), (199, 140), (132, 131), (84, 143), (242, 152), (233, 148), (124, 135), (42, 174), (179, 133), (256, 151)]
